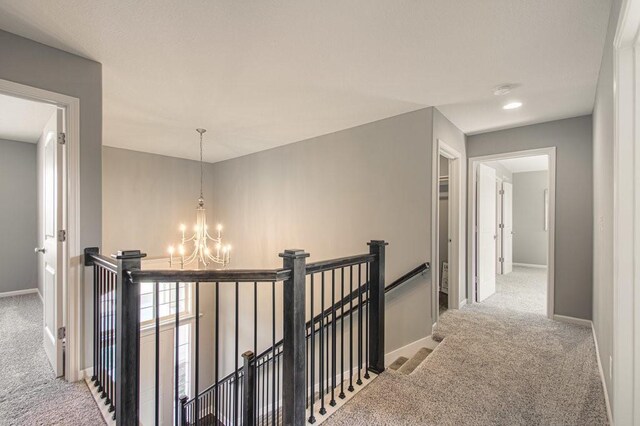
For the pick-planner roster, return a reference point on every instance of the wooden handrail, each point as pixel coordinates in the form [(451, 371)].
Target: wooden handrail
[(217, 275)]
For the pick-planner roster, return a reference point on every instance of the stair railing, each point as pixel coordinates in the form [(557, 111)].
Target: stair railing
[(276, 386)]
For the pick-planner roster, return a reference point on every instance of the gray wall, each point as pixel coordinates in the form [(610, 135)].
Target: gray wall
[(603, 203), (159, 192), (530, 244), (33, 64), (18, 221), (330, 195), (574, 201)]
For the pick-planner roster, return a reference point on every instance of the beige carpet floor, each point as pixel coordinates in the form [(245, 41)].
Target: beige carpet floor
[(500, 362), (30, 394)]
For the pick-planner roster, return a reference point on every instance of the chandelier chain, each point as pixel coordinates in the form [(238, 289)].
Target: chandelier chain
[(201, 172)]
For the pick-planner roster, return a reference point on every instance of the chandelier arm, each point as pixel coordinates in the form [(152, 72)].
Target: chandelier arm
[(193, 237)]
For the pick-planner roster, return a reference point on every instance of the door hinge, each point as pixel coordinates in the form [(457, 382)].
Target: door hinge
[(62, 235), (62, 138), (501, 226), (501, 259), (501, 192), (62, 333)]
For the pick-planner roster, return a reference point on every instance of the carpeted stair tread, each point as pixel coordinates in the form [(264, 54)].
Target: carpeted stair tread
[(398, 363), (409, 366)]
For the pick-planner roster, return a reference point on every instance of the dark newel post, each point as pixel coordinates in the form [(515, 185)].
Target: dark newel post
[(249, 379), (376, 307), (183, 410), (127, 339), (294, 349)]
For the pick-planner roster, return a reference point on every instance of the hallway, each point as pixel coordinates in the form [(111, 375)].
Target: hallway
[(29, 392), (524, 289), (501, 362)]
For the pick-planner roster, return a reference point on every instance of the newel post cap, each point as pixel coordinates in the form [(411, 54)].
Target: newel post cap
[(294, 254), (129, 254), (377, 243)]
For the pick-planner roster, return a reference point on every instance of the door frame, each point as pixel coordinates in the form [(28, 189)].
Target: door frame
[(456, 227), (72, 254), (626, 216), (471, 216)]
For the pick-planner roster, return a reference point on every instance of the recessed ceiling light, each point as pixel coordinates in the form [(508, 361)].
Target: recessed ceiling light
[(512, 105)]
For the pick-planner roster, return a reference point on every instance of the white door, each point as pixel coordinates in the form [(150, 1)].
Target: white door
[(52, 250), (498, 229), (486, 237), (507, 230)]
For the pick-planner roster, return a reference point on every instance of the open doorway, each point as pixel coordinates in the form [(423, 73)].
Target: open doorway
[(512, 218), (443, 235), (33, 265), (448, 291)]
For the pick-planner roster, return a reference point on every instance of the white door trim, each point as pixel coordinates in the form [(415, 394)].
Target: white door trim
[(456, 226), (626, 217), (471, 217), (72, 271)]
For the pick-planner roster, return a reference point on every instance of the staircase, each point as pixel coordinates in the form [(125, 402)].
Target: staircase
[(404, 365), (325, 346)]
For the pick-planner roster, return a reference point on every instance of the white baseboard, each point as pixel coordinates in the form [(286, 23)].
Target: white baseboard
[(410, 349), (530, 265), (18, 292), (604, 383), (462, 303), (40, 296), (572, 320)]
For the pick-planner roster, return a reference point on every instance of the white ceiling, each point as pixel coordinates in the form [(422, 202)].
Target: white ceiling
[(22, 120), (526, 164), (263, 74)]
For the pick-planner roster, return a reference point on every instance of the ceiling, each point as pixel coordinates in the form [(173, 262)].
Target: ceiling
[(526, 164), (23, 120), (262, 74)]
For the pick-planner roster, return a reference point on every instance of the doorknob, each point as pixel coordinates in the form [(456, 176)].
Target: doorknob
[(40, 250)]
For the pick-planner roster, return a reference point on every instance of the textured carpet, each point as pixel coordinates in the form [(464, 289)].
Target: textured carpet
[(29, 392), (499, 363)]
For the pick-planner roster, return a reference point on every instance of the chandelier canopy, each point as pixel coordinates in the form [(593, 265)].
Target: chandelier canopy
[(201, 247)]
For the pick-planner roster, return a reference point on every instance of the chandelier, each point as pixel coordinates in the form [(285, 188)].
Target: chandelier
[(206, 249)]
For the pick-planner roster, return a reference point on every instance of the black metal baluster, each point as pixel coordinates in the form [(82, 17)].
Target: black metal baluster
[(322, 411), (94, 377), (278, 391), (112, 370), (156, 292), (333, 338), (197, 353), (312, 395), (327, 370), (350, 388), (216, 390), (366, 325), (99, 336), (236, 395), (360, 313), (177, 360), (107, 320), (112, 408), (342, 395), (103, 326), (273, 351), (256, 410), (263, 396)]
